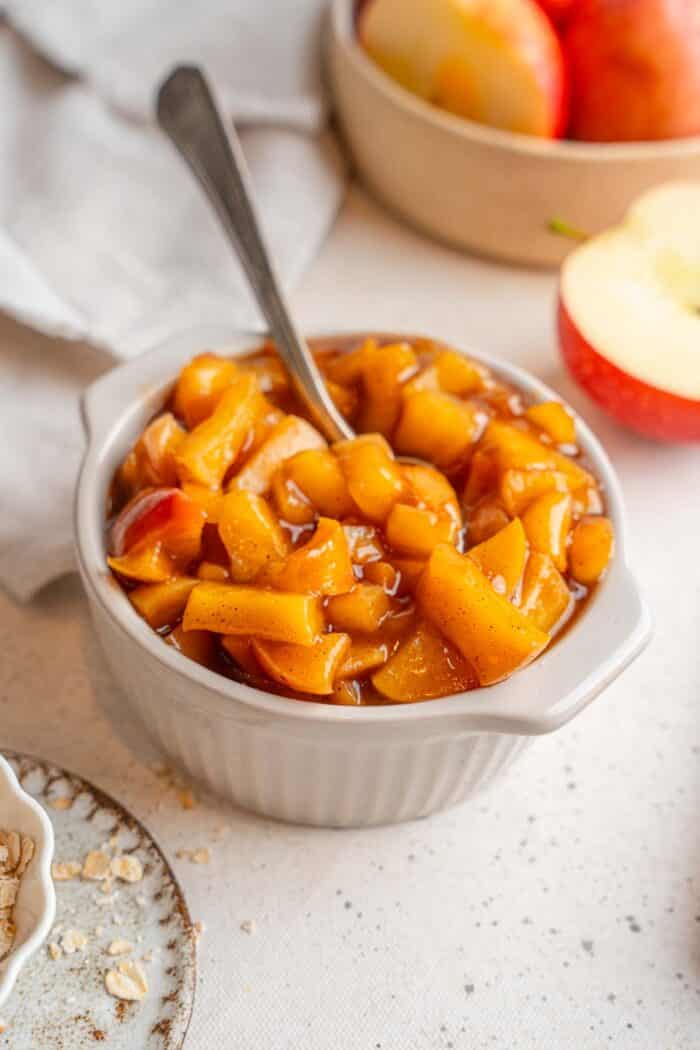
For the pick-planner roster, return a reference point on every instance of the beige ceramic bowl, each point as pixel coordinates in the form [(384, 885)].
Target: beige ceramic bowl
[(486, 190)]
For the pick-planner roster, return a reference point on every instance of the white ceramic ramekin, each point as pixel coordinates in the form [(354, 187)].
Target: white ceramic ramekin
[(36, 900), (314, 763), (477, 187)]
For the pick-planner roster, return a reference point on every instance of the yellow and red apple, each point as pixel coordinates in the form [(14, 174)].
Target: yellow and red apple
[(558, 10), (497, 62), (635, 69), (629, 315)]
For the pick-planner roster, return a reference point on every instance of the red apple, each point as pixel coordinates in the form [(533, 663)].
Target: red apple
[(166, 517), (557, 10), (629, 315), (635, 69), (498, 62)]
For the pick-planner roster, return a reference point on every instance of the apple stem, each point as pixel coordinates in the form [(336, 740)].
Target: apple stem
[(564, 229)]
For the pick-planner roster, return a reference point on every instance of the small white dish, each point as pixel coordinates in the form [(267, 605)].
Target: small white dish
[(35, 907), (481, 188), (67, 994), (315, 763)]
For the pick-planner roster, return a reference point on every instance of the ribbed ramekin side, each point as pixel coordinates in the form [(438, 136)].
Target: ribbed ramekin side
[(317, 775)]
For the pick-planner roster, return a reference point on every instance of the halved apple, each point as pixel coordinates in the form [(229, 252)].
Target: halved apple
[(498, 63), (629, 315)]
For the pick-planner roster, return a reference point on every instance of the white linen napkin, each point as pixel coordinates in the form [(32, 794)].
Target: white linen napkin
[(104, 236)]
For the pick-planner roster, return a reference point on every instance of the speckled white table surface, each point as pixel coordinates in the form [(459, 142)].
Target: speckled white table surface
[(562, 910)]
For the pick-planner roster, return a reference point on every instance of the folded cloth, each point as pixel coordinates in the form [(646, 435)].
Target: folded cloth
[(104, 236)]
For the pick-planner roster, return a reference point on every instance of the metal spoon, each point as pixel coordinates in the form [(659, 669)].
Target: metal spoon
[(188, 115)]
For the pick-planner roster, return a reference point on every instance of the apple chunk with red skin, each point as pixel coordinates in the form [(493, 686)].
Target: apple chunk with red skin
[(165, 516), (498, 62), (629, 315)]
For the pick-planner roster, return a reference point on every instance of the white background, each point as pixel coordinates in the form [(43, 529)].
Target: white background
[(562, 910)]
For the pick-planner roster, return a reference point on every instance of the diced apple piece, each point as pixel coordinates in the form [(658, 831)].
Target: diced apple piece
[(502, 557), (364, 543), (399, 622), (348, 368), (424, 667), (457, 374), (291, 435), (363, 609), (163, 516), (211, 570), (417, 531), (270, 372), (363, 658), (545, 597), (152, 459), (240, 649), (385, 575), (591, 549), (437, 427), (383, 376), (144, 564), (308, 670), (195, 645), (373, 475), (482, 477), (519, 488), (554, 420), (517, 449), (485, 520), (290, 502), (227, 608), (160, 441), (212, 447), (322, 566), (492, 635), (200, 386), (251, 534), (426, 379), (317, 472), (547, 522), (208, 499), (587, 500), (346, 692), (162, 604), (430, 488), (504, 401), (410, 569), (263, 426)]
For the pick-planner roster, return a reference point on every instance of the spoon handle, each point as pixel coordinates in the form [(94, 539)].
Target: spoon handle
[(188, 115)]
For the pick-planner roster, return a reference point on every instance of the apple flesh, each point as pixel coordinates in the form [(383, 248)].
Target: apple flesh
[(629, 315), (635, 69), (498, 63)]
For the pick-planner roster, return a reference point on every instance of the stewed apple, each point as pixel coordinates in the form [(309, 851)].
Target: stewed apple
[(341, 573)]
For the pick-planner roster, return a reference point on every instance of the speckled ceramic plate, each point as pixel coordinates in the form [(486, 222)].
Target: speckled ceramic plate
[(62, 1003)]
